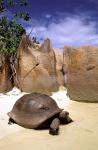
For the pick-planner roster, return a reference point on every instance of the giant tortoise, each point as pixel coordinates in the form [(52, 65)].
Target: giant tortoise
[(38, 111)]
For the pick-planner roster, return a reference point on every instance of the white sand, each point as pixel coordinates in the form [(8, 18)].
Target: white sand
[(7, 101), (82, 134)]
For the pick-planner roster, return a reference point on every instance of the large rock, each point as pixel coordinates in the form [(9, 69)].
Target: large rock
[(82, 74), (5, 74), (59, 66), (36, 69), (66, 54)]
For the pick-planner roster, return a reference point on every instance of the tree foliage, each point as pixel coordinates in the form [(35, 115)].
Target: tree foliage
[(10, 33), (10, 30)]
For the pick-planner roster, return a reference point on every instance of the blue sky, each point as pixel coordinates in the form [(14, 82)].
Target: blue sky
[(65, 22)]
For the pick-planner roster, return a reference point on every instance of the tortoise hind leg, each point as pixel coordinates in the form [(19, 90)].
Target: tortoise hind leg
[(11, 121), (64, 117), (54, 127)]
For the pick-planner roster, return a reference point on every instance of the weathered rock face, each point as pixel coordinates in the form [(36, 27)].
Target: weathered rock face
[(36, 68), (5, 74), (82, 74), (66, 54), (59, 66)]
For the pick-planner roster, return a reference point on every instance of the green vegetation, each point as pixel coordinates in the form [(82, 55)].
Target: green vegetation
[(10, 30), (10, 33)]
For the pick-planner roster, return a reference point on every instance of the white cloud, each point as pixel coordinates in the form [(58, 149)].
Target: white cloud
[(67, 31), (48, 16)]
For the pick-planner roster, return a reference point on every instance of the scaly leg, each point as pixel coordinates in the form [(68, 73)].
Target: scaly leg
[(54, 127), (11, 121)]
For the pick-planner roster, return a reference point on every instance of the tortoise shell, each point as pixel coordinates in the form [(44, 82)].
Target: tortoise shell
[(31, 110)]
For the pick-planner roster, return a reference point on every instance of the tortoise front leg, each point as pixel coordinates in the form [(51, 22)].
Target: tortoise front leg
[(64, 117), (11, 121), (54, 127)]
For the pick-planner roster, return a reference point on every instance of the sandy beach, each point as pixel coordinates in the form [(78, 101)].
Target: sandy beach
[(79, 135)]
